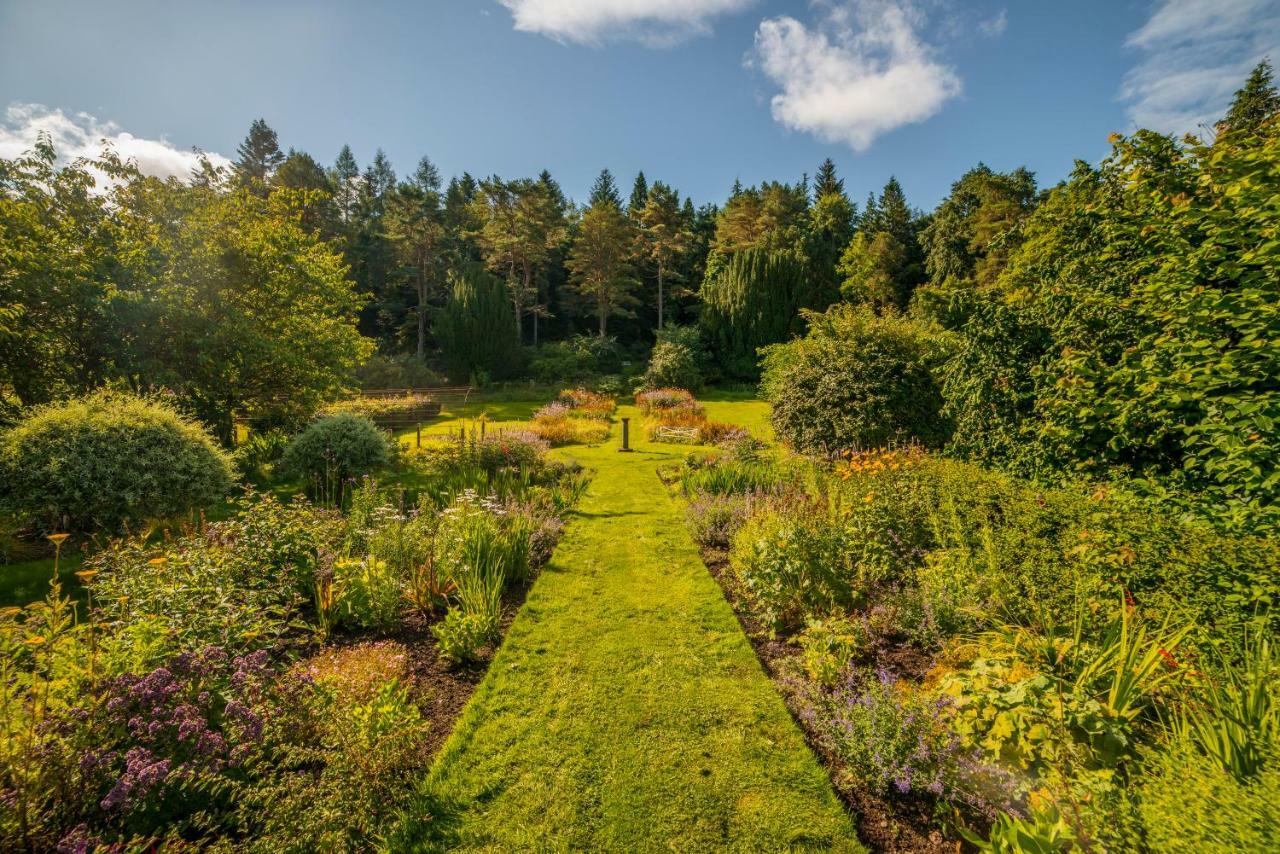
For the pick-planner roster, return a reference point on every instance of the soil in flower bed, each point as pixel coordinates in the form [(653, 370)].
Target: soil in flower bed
[(440, 688), (891, 824)]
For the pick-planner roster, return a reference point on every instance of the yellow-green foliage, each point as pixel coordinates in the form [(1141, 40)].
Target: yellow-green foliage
[(107, 460)]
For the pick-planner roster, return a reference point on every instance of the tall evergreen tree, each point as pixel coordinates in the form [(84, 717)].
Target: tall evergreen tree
[(639, 195), (605, 189), (826, 183), (1256, 103), (600, 261), (476, 329), (415, 226), (343, 176), (664, 235), (258, 157)]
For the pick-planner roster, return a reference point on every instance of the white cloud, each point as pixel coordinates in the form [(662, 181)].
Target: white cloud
[(861, 72), (82, 135), (1194, 55), (657, 23), (996, 26)]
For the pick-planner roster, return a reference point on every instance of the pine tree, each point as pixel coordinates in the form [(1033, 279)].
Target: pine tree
[(344, 175), (605, 189), (258, 157), (664, 235), (600, 261), (826, 183), (639, 196), (1254, 104), (415, 227)]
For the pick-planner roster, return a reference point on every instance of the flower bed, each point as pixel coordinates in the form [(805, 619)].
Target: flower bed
[(223, 686), (576, 416)]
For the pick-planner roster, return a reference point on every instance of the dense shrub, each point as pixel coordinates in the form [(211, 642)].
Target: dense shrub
[(402, 371), (678, 359), (238, 584), (580, 359), (336, 448), (1133, 329), (106, 460), (856, 380)]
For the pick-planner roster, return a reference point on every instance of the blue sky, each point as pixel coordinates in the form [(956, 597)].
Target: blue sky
[(694, 92)]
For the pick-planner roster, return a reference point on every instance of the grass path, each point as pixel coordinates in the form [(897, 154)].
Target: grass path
[(626, 710)]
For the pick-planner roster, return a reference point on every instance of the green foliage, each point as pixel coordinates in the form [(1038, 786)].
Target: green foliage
[(1129, 333), (828, 647), (337, 448), (240, 584), (402, 371), (1189, 801), (461, 633), (581, 358), (244, 311), (754, 301), (371, 592), (258, 451), (856, 380), (792, 562), (730, 477), (476, 329), (106, 461), (600, 262), (883, 264), (673, 364), (1045, 832), (1235, 720)]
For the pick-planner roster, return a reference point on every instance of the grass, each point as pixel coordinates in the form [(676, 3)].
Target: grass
[(626, 710), (741, 407), (24, 582)]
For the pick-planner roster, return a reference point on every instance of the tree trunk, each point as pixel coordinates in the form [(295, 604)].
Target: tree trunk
[(659, 295), (528, 279), (422, 318)]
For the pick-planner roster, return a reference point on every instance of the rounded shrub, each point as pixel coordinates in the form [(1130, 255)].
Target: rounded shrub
[(106, 460), (856, 381), (339, 447), (673, 364)]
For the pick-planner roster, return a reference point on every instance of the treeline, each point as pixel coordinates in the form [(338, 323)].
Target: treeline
[(1123, 320), (1123, 324)]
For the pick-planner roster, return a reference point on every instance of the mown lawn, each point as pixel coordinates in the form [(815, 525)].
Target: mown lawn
[(626, 710)]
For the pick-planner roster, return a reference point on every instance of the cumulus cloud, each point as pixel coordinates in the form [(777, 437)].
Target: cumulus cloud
[(1194, 54), (862, 71), (83, 135), (656, 23)]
